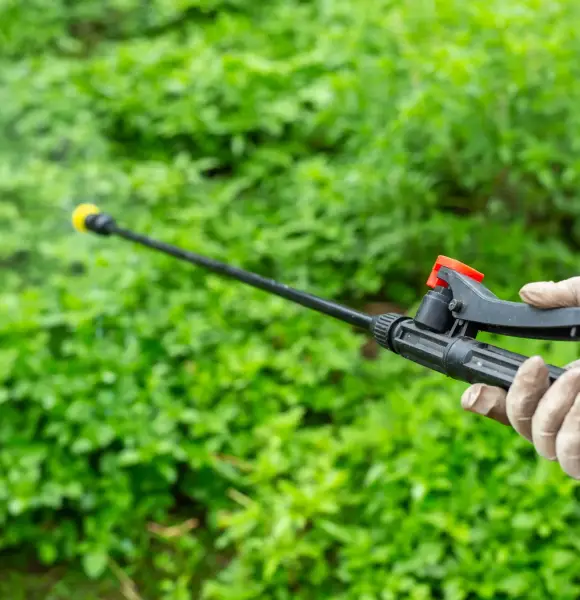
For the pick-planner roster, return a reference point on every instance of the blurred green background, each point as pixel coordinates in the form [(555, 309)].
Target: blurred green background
[(169, 435)]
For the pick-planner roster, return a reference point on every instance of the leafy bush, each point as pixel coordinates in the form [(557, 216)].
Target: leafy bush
[(339, 147)]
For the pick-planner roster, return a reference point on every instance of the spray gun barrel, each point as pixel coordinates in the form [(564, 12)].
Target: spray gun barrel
[(441, 336)]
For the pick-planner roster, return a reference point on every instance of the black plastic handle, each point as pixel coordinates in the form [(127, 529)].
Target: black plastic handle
[(474, 303), (460, 358)]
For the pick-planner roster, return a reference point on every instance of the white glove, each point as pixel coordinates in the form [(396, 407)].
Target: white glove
[(547, 416)]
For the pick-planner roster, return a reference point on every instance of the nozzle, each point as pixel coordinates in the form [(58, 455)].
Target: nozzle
[(87, 217), (80, 214)]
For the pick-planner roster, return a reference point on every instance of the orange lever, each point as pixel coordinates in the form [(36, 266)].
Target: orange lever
[(454, 265)]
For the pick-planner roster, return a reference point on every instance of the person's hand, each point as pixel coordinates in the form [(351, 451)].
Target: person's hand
[(547, 416)]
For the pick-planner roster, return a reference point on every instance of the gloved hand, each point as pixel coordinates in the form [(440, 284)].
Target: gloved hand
[(549, 418)]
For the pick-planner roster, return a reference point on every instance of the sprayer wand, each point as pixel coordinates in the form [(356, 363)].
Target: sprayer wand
[(441, 336), (87, 218)]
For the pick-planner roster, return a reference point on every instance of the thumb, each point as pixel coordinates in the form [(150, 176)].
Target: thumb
[(550, 294), (487, 401)]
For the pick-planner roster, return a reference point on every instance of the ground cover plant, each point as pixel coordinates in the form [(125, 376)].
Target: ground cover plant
[(166, 434)]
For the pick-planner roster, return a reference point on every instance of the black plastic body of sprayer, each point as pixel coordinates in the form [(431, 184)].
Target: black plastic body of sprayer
[(441, 336)]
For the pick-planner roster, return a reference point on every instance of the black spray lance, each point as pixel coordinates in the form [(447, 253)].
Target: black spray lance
[(441, 336)]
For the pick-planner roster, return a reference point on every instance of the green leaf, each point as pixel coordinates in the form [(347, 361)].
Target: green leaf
[(95, 563)]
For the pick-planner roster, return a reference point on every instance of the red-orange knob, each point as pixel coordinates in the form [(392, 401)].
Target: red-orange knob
[(454, 265)]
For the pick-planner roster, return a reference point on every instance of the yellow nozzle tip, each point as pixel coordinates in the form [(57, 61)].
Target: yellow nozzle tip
[(80, 215)]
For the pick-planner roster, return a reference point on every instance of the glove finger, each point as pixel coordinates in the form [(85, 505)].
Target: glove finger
[(551, 411), (550, 294), (568, 441), (487, 401), (530, 384)]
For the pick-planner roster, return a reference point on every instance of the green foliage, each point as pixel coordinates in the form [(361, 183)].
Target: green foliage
[(339, 146)]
